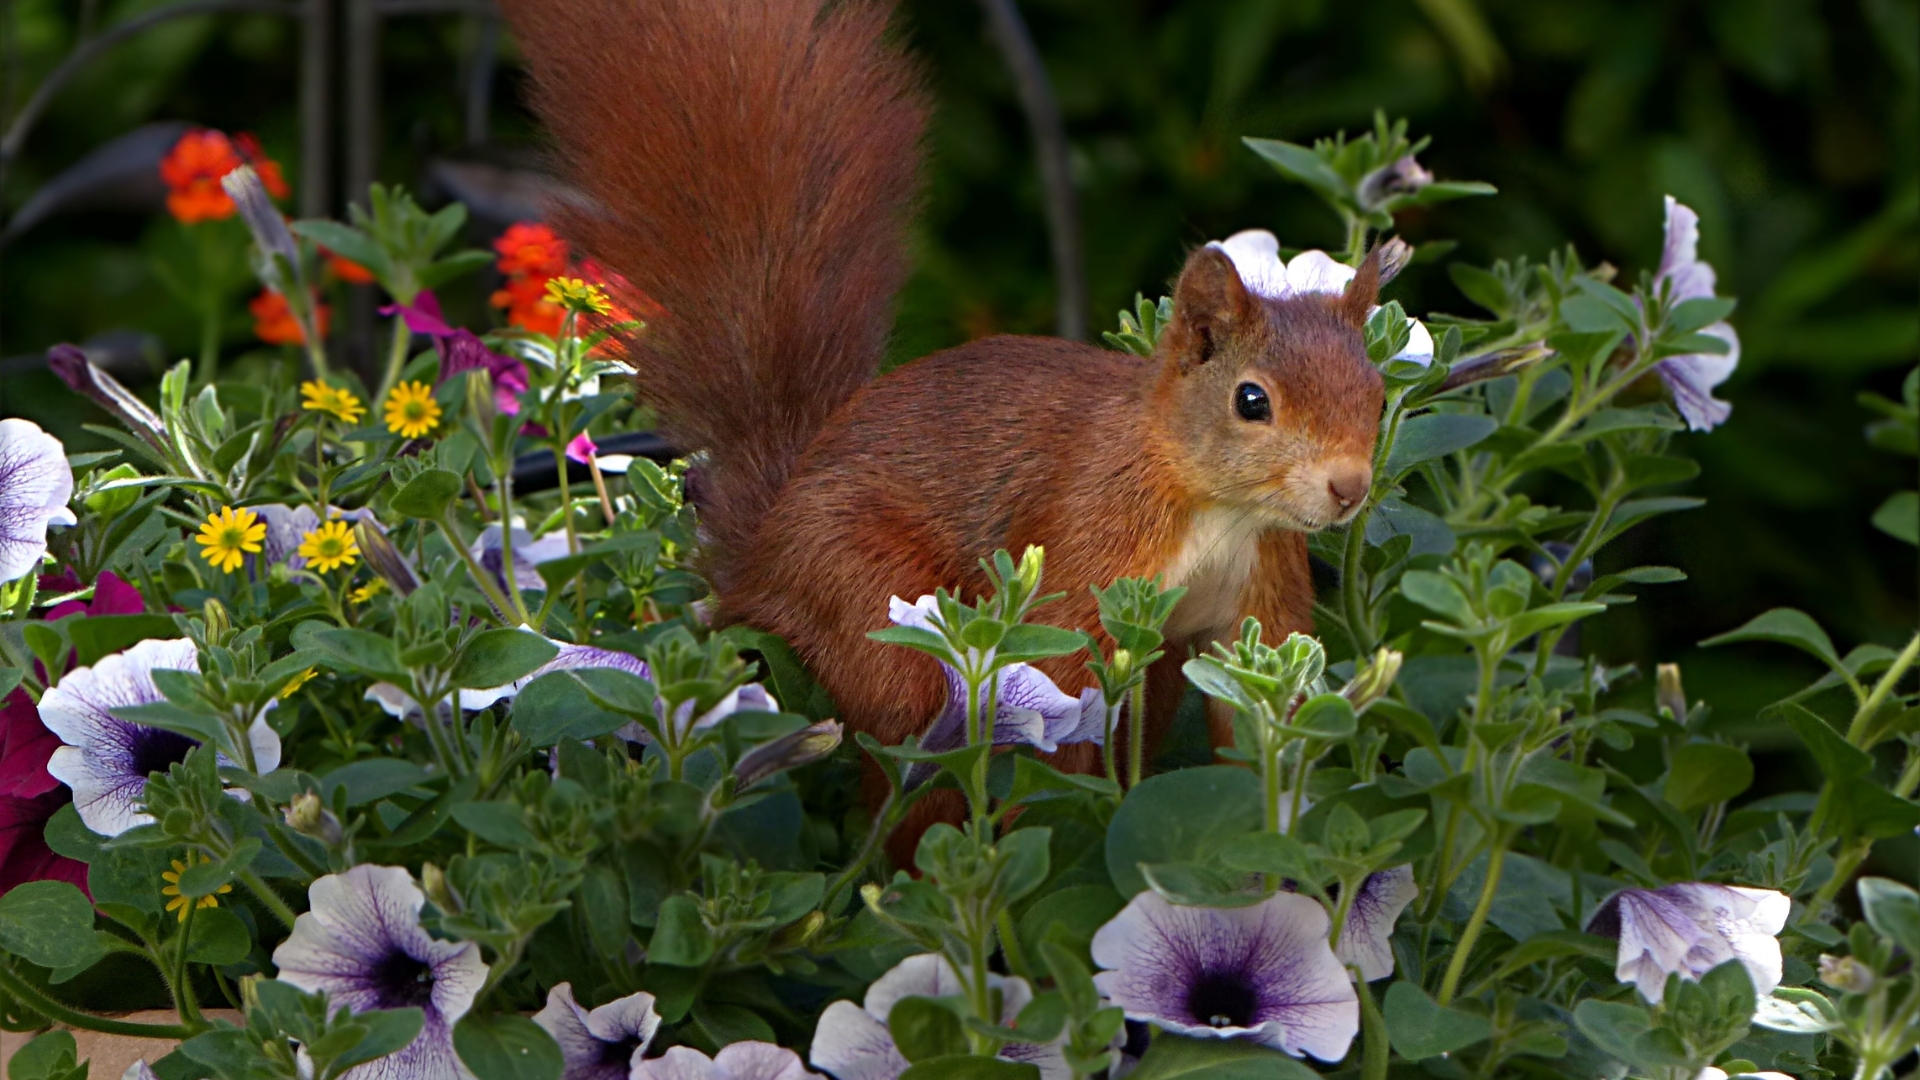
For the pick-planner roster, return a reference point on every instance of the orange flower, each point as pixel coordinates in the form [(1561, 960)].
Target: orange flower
[(192, 172), (267, 168), (347, 270), (273, 320), (532, 249), (525, 299), (193, 168)]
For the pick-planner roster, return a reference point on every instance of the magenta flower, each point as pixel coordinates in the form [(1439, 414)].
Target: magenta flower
[(1691, 378), (29, 797), (461, 351), (581, 448), (111, 596)]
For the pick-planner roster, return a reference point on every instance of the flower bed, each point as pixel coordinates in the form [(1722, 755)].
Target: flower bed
[(355, 760)]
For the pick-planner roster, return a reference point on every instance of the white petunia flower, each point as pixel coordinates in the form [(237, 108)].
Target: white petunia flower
[(1691, 928), (1255, 254), (35, 484), (606, 1043), (1691, 378), (852, 1041)]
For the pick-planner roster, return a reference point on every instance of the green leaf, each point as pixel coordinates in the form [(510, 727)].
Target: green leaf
[(49, 923), (1033, 641), (1839, 760), (1437, 593), (1483, 287), (1170, 1057), (498, 657), (388, 1030), (1180, 816), (557, 706), (1893, 909), (1788, 627), (503, 1046), (345, 241), (1690, 315), (1899, 516), (358, 650), (427, 495), (1324, 716), (1420, 1028), (681, 938), (498, 823), (1425, 437), (1302, 165), (52, 1056), (1702, 774), (923, 1029), (219, 938), (370, 780), (969, 1067), (727, 1024), (1616, 1027), (97, 636)]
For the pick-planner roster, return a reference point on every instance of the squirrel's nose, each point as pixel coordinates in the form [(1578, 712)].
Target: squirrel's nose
[(1348, 484)]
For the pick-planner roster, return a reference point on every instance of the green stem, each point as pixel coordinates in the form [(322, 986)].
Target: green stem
[(491, 588), (1136, 734), (1016, 953), (291, 849), (31, 996), (883, 822), (1863, 719), (1107, 753), (396, 357), (1358, 627), (265, 894), (1341, 910), (184, 1002), (503, 487), (1450, 983), (1373, 1033)]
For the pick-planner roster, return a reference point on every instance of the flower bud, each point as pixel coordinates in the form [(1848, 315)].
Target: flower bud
[(1371, 683), (1404, 176), (215, 614), (1844, 973), (384, 558), (118, 499), (433, 882), (809, 744), (1122, 666), (308, 817), (1670, 695)]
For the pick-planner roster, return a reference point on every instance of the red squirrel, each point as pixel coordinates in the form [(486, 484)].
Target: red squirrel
[(751, 168)]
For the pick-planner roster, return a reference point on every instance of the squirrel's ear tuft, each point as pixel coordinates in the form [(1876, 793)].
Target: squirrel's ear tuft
[(1209, 303), (1363, 292)]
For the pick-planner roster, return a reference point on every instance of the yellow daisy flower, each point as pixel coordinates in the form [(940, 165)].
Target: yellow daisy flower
[(229, 536), (184, 904), (411, 410), (335, 401), (368, 591), (294, 684), (579, 295), (329, 546)]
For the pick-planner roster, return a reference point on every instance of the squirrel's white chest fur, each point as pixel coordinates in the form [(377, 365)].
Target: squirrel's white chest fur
[(1213, 563)]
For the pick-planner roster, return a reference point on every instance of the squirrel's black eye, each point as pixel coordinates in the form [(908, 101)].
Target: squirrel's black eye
[(1250, 401)]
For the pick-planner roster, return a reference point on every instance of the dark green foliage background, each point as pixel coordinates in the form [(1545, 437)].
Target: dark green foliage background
[(1792, 126)]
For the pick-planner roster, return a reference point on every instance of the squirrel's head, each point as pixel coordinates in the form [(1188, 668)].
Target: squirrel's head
[(1271, 404)]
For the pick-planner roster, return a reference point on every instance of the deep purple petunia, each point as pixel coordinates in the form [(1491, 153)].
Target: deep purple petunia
[(111, 596), (362, 943), (35, 484), (1691, 378), (1691, 928), (29, 797), (1263, 972), (106, 760), (605, 1043)]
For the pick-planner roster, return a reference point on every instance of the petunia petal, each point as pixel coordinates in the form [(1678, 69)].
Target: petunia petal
[(1255, 254), (760, 1061), (1365, 941), (106, 760), (1692, 377), (852, 1045), (35, 484), (1317, 272)]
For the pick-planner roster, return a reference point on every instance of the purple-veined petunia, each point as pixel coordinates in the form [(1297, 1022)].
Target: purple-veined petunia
[(1030, 708), (1263, 972), (1366, 940), (106, 760), (361, 942), (1691, 378), (1691, 928), (35, 484), (604, 1043), (852, 1041), (1255, 254), (735, 1061)]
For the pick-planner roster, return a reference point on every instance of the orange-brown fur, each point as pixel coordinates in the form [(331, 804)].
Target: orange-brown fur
[(825, 490)]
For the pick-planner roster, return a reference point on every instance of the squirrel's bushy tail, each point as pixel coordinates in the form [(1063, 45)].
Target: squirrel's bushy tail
[(752, 165)]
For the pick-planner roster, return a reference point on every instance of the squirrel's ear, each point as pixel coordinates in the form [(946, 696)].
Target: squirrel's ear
[(1209, 302), (1363, 292)]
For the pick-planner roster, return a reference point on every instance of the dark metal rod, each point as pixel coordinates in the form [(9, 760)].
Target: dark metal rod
[(316, 109), (1009, 33), (486, 32)]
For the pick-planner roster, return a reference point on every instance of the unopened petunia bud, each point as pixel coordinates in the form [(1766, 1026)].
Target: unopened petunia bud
[(1404, 176), (1371, 683), (1846, 974), (384, 558), (433, 882), (1671, 696), (215, 614), (308, 817), (810, 743)]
